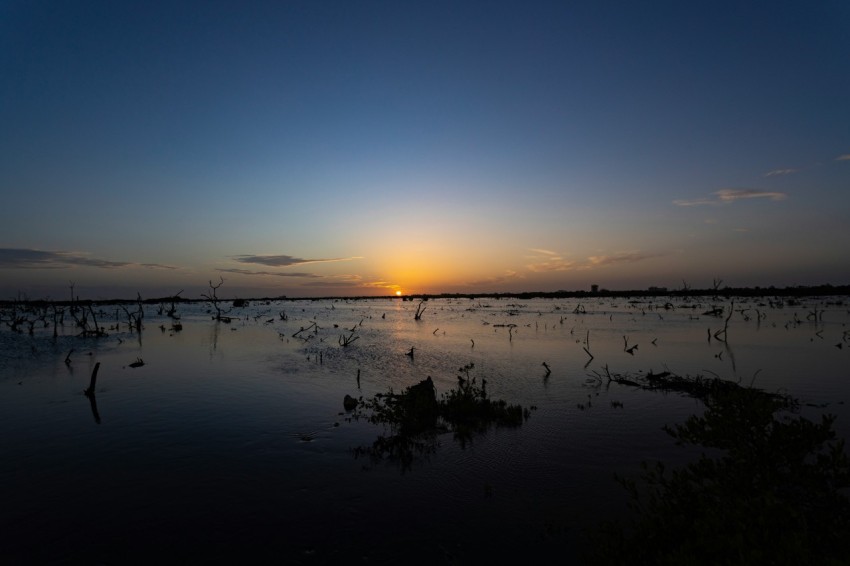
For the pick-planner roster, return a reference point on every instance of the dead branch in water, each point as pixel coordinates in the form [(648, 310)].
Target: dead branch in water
[(94, 329), (722, 332), (213, 300), (344, 341), (93, 381), (419, 310), (304, 329)]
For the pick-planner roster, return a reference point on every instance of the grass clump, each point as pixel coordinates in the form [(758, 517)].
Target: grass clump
[(415, 417), (774, 492)]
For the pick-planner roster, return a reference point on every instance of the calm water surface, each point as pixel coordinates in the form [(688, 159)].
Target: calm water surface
[(231, 440)]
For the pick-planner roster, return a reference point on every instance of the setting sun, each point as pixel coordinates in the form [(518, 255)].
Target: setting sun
[(398, 293)]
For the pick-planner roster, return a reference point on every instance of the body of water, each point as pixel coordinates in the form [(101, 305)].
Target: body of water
[(230, 442)]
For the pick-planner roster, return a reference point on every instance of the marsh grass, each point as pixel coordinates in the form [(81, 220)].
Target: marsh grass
[(416, 417), (774, 492)]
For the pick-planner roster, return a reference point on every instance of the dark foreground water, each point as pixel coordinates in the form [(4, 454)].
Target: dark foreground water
[(231, 443)]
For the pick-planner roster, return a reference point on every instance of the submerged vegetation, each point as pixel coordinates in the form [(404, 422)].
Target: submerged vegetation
[(770, 488), (415, 417)]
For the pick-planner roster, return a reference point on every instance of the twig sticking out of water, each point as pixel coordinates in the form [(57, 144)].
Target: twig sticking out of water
[(68, 357), (346, 340), (212, 300), (93, 381), (725, 324), (548, 371), (304, 329)]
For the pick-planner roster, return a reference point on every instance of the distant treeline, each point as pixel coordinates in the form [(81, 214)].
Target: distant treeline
[(798, 291)]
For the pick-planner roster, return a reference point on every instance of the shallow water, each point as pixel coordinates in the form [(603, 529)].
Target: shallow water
[(231, 439)]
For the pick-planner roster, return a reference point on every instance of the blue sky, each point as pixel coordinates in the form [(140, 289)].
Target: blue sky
[(318, 148)]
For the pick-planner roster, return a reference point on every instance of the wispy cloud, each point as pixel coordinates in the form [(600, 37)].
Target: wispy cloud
[(781, 172), (544, 252), (273, 274), (286, 260), (24, 258), (547, 260), (346, 280), (555, 264), (694, 202), (731, 195), (325, 283), (727, 196), (351, 282), (509, 275), (382, 285), (845, 157), (620, 257)]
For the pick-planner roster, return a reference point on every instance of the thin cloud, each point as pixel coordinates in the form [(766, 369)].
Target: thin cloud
[(273, 274), (351, 282), (345, 280), (544, 252), (845, 157), (324, 283), (731, 195), (694, 202), (286, 260), (509, 275), (381, 285), (781, 172), (727, 196), (621, 257), (550, 261), (556, 264), (24, 258)]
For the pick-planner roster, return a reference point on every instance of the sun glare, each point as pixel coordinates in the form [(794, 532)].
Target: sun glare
[(398, 293)]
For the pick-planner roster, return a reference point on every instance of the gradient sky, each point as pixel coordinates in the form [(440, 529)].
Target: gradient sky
[(359, 148)]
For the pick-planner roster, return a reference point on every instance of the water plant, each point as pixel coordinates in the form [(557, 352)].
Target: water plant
[(415, 417), (770, 488)]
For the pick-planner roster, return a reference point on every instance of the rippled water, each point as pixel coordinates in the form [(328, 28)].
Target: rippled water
[(231, 440)]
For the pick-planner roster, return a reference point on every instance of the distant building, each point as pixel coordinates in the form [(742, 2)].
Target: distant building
[(594, 288)]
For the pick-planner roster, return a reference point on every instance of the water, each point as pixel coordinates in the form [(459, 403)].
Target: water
[(231, 440)]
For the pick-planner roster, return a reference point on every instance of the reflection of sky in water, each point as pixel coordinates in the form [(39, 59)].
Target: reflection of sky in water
[(207, 443)]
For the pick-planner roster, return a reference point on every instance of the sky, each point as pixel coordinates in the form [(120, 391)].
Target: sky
[(339, 148)]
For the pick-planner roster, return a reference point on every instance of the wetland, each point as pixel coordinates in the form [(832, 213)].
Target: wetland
[(298, 429)]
